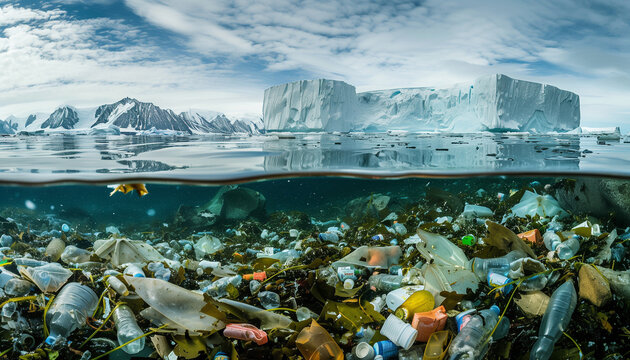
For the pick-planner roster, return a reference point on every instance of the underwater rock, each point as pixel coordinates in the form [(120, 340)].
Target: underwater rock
[(619, 281), (596, 197), (593, 286), (237, 203), (375, 206)]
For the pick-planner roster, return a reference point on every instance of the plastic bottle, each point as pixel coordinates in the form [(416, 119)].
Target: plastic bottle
[(17, 287), (329, 236), (568, 248), (399, 332), (481, 267), (555, 321), (471, 342), (269, 299), (350, 272), (159, 271), (118, 286), (386, 349), (551, 240), (219, 287), (134, 270), (127, 329), (397, 297), (418, 302), (69, 310), (72, 254), (29, 262), (315, 343), (385, 282), (500, 282)]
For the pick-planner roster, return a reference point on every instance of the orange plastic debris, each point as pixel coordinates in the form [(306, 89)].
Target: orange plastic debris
[(260, 276), (532, 236), (429, 322)]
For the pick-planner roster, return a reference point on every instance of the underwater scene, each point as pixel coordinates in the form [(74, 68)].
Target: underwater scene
[(316, 267)]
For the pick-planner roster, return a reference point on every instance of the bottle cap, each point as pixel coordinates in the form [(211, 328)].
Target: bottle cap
[(459, 318), (348, 284), (495, 309), (363, 351)]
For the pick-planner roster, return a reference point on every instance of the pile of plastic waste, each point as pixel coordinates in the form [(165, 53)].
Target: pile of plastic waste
[(512, 276)]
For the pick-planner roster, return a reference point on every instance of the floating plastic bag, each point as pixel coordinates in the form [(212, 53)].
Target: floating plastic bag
[(542, 205), (371, 257), (207, 245), (48, 278), (439, 249), (181, 307), (122, 251)]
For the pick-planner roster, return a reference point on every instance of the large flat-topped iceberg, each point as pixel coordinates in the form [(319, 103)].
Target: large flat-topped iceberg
[(495, 103), (310, 105)]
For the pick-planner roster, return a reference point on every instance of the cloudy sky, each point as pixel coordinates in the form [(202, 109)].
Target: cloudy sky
[(221, 54)]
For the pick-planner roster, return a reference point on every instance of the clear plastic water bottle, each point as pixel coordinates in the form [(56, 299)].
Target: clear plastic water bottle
[(567, 249), (127, 329), (501, 265), (218, 288), (551, 240), (69, 310), (385, 282), (470, 342), (555, 320)]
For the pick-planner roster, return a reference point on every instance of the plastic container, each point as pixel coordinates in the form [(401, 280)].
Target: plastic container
[(470, 342), (399, 228), (329, 237), (399, 332), (245, 332), (127, 329), (363, 351), (481, 267), (315, 343), (397, 297), (269, 299), (304, 313), (69, 310), (386, 349), (17, 287), (419, 301), (568, 248), (118, 286), (437, 345), (72, 254), (532, 236), (428, 322), (378, 237), (385, 282), (555, 321), (218, 288), (439, 249), (159, 271), (348, 284)]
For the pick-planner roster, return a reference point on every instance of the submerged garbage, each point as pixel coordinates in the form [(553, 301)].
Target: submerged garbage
[(446, 275)]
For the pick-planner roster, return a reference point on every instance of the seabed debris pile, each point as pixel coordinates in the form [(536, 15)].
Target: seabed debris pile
[(457, 275)]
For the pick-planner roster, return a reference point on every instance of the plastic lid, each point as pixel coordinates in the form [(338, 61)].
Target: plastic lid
[(495, 309), (50, 340), (363, 351), (138, 275), (459, 318)]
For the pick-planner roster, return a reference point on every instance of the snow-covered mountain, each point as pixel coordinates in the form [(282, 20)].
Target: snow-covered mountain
[(8, 126), (132, 116)]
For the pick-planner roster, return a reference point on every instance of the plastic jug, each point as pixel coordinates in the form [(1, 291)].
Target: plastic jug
[(315, 343), (428, 322), (555, 321), (69, 310), (419, 301), (127, 329)]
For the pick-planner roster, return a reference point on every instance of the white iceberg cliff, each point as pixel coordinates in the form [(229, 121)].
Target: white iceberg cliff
[(495, 103)]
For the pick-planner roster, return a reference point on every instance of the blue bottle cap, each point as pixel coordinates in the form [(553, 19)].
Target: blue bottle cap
[(459, 318), (495, 309)]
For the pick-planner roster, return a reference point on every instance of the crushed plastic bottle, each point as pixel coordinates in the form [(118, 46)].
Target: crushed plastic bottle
[(218, 288), (134, 270), (551, 239), (481, 267), (269, 299), (69, 310), (118, 286), (127, 329), (555, 321), (159, 271)]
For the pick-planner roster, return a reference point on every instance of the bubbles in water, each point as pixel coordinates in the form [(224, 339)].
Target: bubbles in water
[(30, 205), (52, 207), (151, 212)]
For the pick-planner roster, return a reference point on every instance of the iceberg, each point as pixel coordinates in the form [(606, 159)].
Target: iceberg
[(490, 103), (310, 105)]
